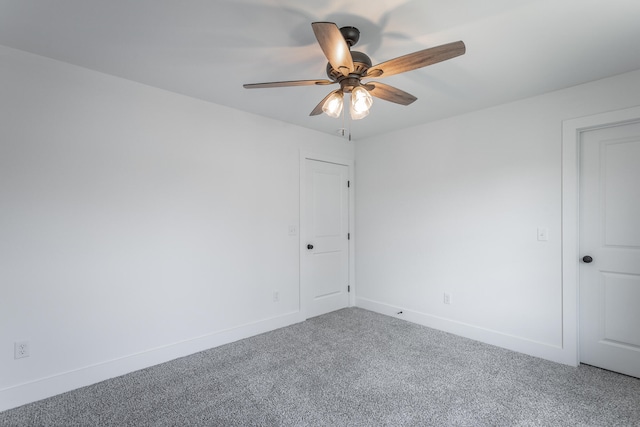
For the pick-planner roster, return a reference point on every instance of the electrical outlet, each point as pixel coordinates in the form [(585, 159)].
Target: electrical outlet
[(447, 298), (276, 296), (21, 349)]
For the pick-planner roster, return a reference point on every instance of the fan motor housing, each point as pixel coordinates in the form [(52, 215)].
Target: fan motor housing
[(361, 63)]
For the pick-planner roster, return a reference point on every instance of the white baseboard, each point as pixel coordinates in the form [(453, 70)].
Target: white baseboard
[(542, 350), (32, 391)]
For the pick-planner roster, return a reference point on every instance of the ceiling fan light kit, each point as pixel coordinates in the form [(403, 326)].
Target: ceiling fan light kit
[(347, 68), (360, 103), (332, 107)]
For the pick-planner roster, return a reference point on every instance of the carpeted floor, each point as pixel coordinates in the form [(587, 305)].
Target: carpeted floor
[(348, 368)]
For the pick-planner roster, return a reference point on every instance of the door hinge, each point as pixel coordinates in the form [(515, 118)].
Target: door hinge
[(348, 184), (348, 236), (348, 288)]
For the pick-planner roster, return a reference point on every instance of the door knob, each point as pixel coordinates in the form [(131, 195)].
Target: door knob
[(587, 259), (309, 246)]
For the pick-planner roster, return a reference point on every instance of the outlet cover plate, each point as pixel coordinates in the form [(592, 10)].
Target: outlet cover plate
[(21, 349)]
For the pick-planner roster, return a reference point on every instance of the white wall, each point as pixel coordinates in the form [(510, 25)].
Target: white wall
[(136, 225), (454, 206)]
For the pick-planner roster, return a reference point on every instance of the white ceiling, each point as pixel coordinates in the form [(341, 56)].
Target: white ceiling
[(208, 48)]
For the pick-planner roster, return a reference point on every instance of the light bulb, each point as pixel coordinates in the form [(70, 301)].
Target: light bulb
[(360, 103), (332, 107)]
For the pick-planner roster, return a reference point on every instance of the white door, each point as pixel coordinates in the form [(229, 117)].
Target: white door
[(610, 235), (325, 257)]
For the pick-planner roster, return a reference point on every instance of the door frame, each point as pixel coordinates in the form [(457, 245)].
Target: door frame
[(572, 131), (349, 163)]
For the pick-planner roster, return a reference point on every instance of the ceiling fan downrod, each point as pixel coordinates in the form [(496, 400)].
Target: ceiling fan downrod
[(361, 63)]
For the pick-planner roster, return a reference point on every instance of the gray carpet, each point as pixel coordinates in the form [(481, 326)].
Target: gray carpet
[(348, 368)]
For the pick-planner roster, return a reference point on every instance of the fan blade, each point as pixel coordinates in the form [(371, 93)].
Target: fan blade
[(289, 83), (415, 60), (389, 93), (318, 109), (334, 46)]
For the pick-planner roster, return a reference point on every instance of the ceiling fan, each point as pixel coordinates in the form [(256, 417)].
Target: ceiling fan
[(348, 68)]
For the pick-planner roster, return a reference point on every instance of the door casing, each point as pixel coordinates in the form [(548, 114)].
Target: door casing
[(571, 136), (303, 233)]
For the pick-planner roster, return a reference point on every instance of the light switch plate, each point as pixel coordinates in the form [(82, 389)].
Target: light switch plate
[(543, 234)]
